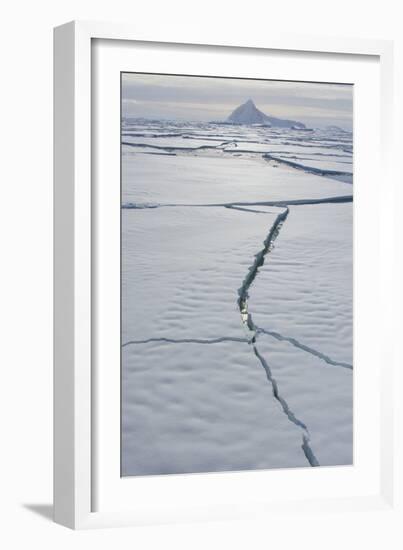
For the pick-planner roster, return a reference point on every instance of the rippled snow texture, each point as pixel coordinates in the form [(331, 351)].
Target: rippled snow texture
[(195, 396), (201, 408)]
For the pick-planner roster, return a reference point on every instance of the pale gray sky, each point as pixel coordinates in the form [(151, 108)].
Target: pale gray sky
[(203, 99)]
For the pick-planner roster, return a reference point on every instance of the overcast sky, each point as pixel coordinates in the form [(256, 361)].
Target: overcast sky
[(203, 99)]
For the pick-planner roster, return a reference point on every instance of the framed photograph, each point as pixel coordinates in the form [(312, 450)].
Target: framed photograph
[(222, 276)]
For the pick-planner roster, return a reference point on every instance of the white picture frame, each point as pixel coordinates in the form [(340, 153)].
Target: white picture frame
[(77, 472)]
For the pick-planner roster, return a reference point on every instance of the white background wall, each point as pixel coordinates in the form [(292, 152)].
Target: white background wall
[(26, 270)]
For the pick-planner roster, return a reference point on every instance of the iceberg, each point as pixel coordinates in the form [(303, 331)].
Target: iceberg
[(248, 113)]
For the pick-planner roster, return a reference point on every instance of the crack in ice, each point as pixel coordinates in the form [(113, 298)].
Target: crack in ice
[(346, 177), (243, 291), (186, 340), (280, 203), (247, 322), (242, 209), (284, 405), (303, 347), (308, 452), (173, 148)]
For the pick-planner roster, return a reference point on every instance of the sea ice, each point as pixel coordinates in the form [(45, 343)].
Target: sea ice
[(319, 395), (304, 289), (182, 267), (201, 408), (201, 390), (199, 180)]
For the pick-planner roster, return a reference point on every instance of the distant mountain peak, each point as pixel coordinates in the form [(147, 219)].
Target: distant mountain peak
[(248, 113)]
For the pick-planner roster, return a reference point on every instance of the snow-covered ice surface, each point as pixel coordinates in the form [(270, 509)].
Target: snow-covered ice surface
[(185, 179), (236, 297), (181, 268), (201, 407), (318, 394), (307, 281)]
